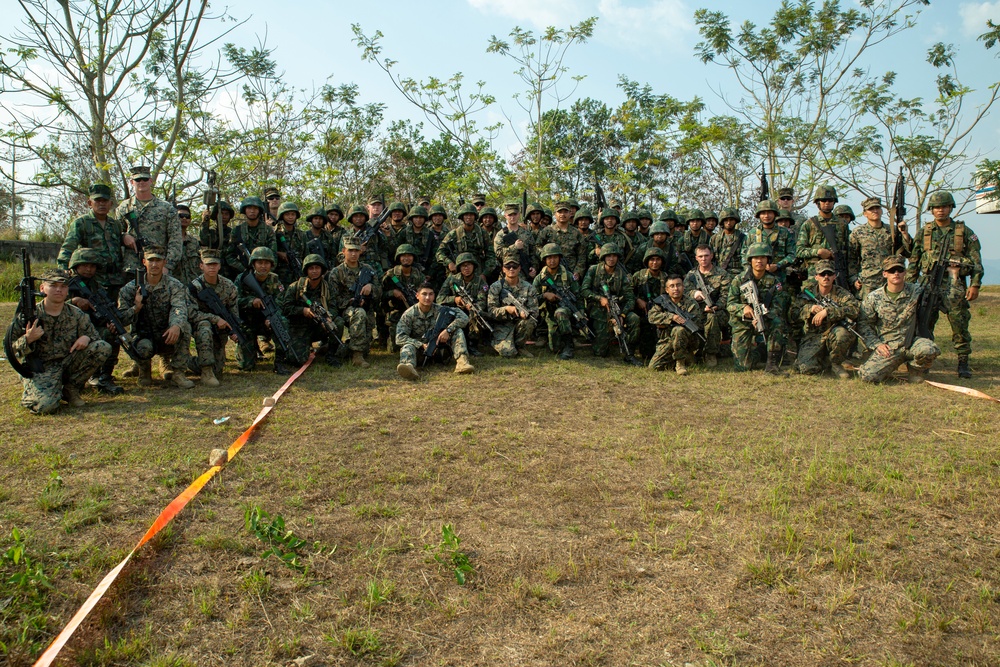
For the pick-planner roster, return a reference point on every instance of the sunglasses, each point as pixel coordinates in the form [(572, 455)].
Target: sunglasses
[(826, 274), (141, 179), (895, 269), (273, 197), (184, 215), (512, 266)]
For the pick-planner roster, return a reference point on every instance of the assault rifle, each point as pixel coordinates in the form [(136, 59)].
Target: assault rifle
[(599, 201), (509, 239), (364, 277), (244, 255), (765, 189), (827, 302), (508, 299), (733, 250), (839, 254), (471, 306), (748, 291), (288, 247), (409, 296), (208, 296), (142, 327), (322, 315), (314, 246), (617, 321), (898, 211), (445, 317), (107, 313), (567, 300), (524, 207), (703, 288), (664, 301), (271, 312), (24, 315), (365, 234), (930, 298)]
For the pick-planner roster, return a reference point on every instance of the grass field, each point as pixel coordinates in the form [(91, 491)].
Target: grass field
[(598, 514)]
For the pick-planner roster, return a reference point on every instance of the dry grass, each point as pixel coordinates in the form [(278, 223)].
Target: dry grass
[(610, 516)]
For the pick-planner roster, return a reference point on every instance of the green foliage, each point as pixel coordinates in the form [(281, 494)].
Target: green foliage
[(24, 594), (283, 544), (448, 555)]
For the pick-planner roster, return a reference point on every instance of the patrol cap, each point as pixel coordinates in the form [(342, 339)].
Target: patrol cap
[(210, 256), (155, 252), (351, 243), (57, 276), (511, 207), (424, 201), (615, 202), (479, 198), (563, 205), (376, 199), (824, 265), (99, 191), (891, 261), (511, 256), (871, 202), (139, 171), (311, 259), (84, 256), (786, 192), (271, 190)]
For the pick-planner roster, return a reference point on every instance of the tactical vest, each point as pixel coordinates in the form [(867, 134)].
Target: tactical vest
[(958, 242)]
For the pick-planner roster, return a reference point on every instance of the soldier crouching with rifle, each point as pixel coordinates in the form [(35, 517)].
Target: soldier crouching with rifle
[(755, 303), (306, 304), (428, 330), (214, 317)]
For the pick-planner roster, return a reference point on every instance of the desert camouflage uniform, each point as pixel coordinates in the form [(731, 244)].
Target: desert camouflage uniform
[(360, 320), (868, 246), (971, 265), (722, 244), (392, 308), (253, 318), (303, 330), (165, 306), (620, 286), (413, 324), (821, 348), (673, 341), (510, 331), (209, 339), (716, 322), (571, 242), (106, 239), (41, 394), (476, 242), (155, 223), (251, 237), (745, 348), (887, 320), (557, 317), (477, 288)]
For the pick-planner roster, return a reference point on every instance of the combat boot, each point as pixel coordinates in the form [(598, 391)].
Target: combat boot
[(408, 372), (358, 359), (265, 345), (963, 367), (567, 353), (71, 394), (106, 385), (632, 361), (183, 383), (145, 368), (521, 352), (773, 364), (208, 378), (462, 365), (915, 375), (841, 372), (474, 351), (680, 367), (711, 360)]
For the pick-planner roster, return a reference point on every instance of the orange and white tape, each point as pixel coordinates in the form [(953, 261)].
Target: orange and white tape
[(165, 517)]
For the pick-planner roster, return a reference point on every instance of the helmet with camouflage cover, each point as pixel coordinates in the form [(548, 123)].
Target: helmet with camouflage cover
[(467, 208), (940, 198), (610, 249), (668, 214), (784, 215), (223, 205), (437, 209), (488, 210), (844, 209), (695, 214), (358, 209), (825, 192), (84, 256), (551, 249), (629, 216), (466, 257), (405, 249), (729, 212), (644, 214), (547, 213), (311, 259), (263, 252), (252, 200), (320, 212), (335, 207), (653, 251), (766, 205), (760, 250), (397, 206), (711, 215), (417, 211), (532, 207), (658, 228), (286, 207), (610, 213), (583, 214)]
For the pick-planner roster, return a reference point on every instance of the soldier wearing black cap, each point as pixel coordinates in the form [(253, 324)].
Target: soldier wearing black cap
[(272, 199)]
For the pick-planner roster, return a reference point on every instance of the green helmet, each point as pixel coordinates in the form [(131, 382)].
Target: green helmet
[(286, 207), (223, 205), (547, 213), (532, 207), (783, 215), (358, 209), (760, 250), (610, 213), (610, 249), (668, 214), (84, 256), (658, 228), (766, 205), (710, 215), (320, 212), (644, 214), (405, 249), (940, 198), (844, 209), (653, 251), (437, 208), (252, 200), (466, 257), (629, 216), (467, 208), (825, 192), (263, 252), (551, 249), (488, 210), (729, 212), (311, 259), (397, 206), (417, 211), (583, 214), (696, 214), (335, 207)]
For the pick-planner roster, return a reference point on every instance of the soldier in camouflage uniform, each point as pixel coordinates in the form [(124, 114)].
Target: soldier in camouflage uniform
[(826, 342), (727, 245), (609, 274), (533, 219), (149, 219), (334, 215), (85, 263), (252, 233), (395, 282), (103, 234), (669, 218), (694, 236), (661, 238), (415, 324), (394, 224), (187, 269), (786, 205), (479, 201), (630, 228), (373, 252), (778, 238), (64, 341), (217, 236), (262, 261), (511, 328), (889, 314), (298, 306), (870, 244), (273, 199), (521, 240), (469, 279), (569, 239), (674, 342), (713, 288), (648, 283), (159, 321), (645, 220), (210, 331), (746, 349), (812, 244), (291, 242), (347, 278), (557, 315), (711, 224), (318, 241), (467, 237), (962, 246), (845, 214), (608, 232), (417, 235)]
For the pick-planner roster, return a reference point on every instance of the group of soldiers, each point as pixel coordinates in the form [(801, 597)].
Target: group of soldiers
[(671, 292)]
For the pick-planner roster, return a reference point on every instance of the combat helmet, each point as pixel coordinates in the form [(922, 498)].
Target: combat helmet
[(319, 212), (466, 257), (286, 207), (405, 249), (762, 249), (551, 249), (696, 214), (583, 214), (263, 252), (358, 209), (658, 227), (825, 192), (940, 198), (844, 209), (417, 211), (668, 214), (84, 256), (467, 208), (252, 200), (313, 258), (397, 206), (438, 209), (653, 251), (729, 212), (610, 249), (766, 205), (610, 213)]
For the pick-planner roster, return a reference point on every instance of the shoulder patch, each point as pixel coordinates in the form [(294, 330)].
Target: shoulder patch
[(973, 238)]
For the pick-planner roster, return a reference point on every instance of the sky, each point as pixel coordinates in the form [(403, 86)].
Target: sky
[(650, 41)]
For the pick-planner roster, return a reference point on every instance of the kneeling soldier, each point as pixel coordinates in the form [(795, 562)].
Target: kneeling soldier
[(210, 330), (709, 286), (307, 304), (420, 321), (356, 293), (64, 341), (262, 260), (469, 282), (674, 342), (826, 341), (606, 281), (399, 289), (515, 322), (757, 280), (86, 264)]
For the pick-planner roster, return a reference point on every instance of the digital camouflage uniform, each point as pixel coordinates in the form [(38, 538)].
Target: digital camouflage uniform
[(868, 247), (358, 318), (557, 317), (304, 330), (746, 349), (510, 331), (674, 342), (571, 242), (165, 306), (477, 288), (887, 320), (716, 322), (528, 256), (92, 256), (188, 268), (476, 242), (414, 324), (209, 340), (41, 394), (155, 223), (829, 345), (620, 287), (393, 308), (260, 236), (253, 318), (106, 240)]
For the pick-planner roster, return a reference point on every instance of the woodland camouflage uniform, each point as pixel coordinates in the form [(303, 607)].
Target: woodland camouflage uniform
[(510, 332), (620, 287), (717, 321), (674, 342)]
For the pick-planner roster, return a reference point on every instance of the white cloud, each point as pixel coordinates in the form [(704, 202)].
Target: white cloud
[(975, 14), (655, 24), (537, 13)]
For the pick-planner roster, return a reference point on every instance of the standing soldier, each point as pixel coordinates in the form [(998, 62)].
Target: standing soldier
[(869, 245), (467, 237), (334, 214), (568, 238), (711, 223), (674, 342), (611, 275), (694, 236), (708, 285), (399, 290), (826, 342), (414, 325), (318, 241), (299, 304), (630, 228), (513, 325), (488, 221), (778, 238), (290, 243), (520, 239), (252, 233), (356, 291), (660, 237), (371, 251), (479, 201), (727, 246), (66, 343), (101, 233), (823, 236), (608, 232), (961, 245), (418, 236), (262, 262), (376, 204), (85, 263), (187, 268), (747, 346), (557, 315), (468, 278), (216, 236), (159, 320), (645, 220), (150, 221), (648, 283), (786, 204), (211, 331), (273, 199), (394, 225)]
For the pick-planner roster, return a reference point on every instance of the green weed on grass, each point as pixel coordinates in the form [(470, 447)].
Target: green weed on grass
[(448, 554)]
